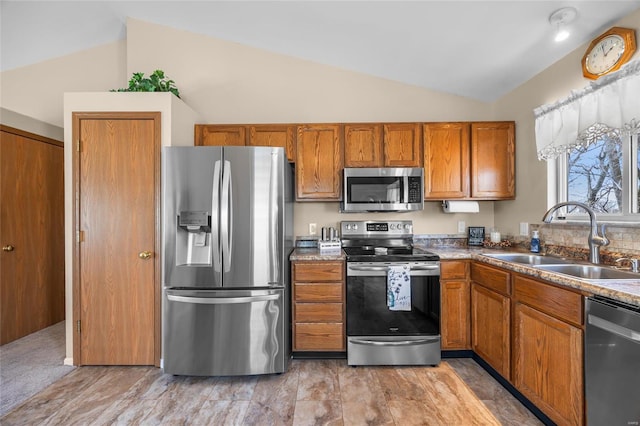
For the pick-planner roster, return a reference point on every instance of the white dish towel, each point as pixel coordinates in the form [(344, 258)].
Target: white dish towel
[(399, 288)]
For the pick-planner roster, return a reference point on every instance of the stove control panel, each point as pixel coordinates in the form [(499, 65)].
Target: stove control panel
[(376, 228)]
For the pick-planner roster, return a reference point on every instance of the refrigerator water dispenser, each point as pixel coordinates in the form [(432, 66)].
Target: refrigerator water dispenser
[(193, 238)]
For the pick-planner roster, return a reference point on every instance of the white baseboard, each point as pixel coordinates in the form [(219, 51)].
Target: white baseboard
[(68, 361)]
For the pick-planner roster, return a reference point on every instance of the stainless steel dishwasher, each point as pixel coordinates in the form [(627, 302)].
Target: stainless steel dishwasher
[(612, 362)]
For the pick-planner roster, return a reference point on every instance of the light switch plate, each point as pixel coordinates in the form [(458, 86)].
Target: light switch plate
[(524, 228), (462, 227), (312, 229)]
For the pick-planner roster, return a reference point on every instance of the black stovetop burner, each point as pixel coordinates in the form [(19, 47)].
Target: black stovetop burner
[(376, 241), (393, 254)]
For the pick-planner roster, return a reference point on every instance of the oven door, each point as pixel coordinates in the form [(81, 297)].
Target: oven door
[(377, 335)]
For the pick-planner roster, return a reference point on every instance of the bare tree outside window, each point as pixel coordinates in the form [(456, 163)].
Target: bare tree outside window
[(594, 175)]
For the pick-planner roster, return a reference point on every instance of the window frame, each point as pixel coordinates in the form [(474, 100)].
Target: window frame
[(558, 188)]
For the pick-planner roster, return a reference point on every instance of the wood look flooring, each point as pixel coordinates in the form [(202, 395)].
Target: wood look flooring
[(312, 392)]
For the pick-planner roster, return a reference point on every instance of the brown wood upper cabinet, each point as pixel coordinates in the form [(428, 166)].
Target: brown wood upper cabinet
[(363, 145), (382, 145), (446, 160), (469, 160), (402, 144), (283, 135), (319, 162), (493, 160), (219, 135)]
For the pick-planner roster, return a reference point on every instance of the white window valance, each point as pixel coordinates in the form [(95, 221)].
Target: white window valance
[(608, 106)]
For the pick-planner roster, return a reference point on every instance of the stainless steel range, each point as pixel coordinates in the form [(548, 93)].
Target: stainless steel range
[(393, 295)]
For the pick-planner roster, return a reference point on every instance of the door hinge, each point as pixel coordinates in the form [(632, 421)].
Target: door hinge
[(78, 145), (80, 237), (78, 326)]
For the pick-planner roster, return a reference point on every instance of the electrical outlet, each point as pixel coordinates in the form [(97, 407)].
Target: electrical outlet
[(462, 227), (312, 229), (524, 228)]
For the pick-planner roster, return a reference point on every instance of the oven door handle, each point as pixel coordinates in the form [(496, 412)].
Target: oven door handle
[(369, 268), (388, 343), (386, 268), (425, 268), (381, 271)]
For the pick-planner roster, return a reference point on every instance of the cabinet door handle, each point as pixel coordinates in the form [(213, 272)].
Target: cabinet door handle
[(8, 248)]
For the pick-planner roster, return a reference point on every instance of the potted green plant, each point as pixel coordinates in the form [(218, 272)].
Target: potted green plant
[(156, 82)]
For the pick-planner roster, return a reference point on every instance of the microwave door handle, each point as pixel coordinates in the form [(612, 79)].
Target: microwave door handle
[(405, 184)]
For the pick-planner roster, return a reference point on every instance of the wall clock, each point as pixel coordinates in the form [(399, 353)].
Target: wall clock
[(608, 52)]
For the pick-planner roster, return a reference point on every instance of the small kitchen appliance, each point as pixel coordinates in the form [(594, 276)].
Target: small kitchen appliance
[(393, 295), (393, 189)]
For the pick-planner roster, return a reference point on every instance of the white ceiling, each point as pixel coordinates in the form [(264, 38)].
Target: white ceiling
[(477, 49)]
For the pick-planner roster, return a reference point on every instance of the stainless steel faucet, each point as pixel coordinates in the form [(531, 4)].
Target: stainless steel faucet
[(634, 264), (595, 240)]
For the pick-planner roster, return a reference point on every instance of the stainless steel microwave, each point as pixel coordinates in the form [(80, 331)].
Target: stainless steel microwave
[(397, 189)]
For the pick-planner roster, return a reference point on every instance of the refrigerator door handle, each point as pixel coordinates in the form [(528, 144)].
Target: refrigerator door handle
[(226, 216), (273, 220), (222, 300), (215, 211)]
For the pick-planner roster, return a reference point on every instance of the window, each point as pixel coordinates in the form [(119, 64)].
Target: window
[(603, 175)]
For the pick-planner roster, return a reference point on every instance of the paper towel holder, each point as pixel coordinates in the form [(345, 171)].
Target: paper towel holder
[(460, 206)]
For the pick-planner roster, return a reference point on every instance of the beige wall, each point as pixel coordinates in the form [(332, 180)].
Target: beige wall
[(554, 83), (29, 124), (429, 221), (231, 83), (36, 90)]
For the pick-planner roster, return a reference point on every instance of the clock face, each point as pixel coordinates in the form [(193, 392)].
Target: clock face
[(605, 54)]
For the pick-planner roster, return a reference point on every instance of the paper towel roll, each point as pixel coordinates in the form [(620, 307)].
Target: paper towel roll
[(460, 206)]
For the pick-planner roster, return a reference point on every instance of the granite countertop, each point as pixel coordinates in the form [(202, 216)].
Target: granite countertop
[(311, 254), (624, 291)]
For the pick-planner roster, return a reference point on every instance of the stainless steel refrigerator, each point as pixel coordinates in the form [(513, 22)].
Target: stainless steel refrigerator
[(227, 235)]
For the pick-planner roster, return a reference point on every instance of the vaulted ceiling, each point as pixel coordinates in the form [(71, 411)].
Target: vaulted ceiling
[(477, 49)]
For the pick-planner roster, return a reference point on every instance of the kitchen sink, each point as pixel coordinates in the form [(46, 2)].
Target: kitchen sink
[(591, 272), (527, 259)]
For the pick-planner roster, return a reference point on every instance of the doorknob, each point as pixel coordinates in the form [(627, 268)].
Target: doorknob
[(8, 248), (145, 255)]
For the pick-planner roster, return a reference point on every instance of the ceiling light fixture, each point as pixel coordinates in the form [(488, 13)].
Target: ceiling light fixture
[(559, 19)]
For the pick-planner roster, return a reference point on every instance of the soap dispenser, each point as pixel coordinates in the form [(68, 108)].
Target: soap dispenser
[(535, 242)]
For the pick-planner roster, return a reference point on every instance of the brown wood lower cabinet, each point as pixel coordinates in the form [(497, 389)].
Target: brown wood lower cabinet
[(318, 306), (548, 350), (490, 322), (455, 305), (491, 316), (547, 364)]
